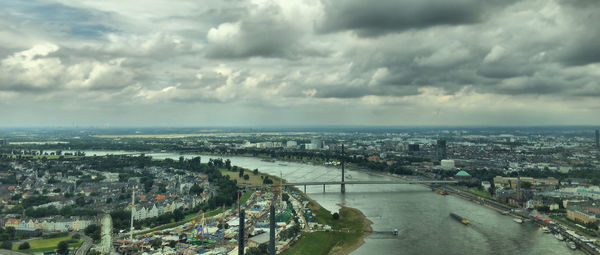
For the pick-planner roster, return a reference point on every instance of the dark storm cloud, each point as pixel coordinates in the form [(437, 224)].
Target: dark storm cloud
[(358, 92), (373, 18), (502, 70), (581, 45), (584, 50)]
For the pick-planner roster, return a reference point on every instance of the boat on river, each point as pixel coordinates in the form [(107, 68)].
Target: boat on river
[(459, 219), (546, 230), (572, 245), (441, 192), (559, 236), (517, 220)]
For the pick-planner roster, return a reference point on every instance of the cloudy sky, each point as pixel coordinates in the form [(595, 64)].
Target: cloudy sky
[(299, 62)]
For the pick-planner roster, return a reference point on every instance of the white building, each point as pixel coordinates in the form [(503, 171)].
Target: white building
[(447, 164)]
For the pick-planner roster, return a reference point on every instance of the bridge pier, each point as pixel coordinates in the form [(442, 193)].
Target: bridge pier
[(304, 189), (323, 188), (343, 187)]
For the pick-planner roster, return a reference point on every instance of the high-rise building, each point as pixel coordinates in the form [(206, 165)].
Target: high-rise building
[(440, 149), (316, 144), (413, 147), (597, 139)]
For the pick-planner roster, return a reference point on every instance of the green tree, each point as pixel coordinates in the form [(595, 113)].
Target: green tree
[(7, 245), (10, 231), (162, 188), (241, 173), (156, 243), (93, 231), (24, 246), (246, 177), (80, 201), (336, 216), (266, 180), (285, 197), (255, 172), (196, 190), (62, 248)]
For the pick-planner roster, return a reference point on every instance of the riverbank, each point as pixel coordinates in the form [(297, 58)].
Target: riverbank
[(346, 235)]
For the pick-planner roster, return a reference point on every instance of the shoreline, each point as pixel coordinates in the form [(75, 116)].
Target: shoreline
[(361, 241), (342, 249)]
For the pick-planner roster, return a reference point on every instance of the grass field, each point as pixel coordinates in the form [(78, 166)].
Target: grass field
[(40, 245), (476, 191), (254, 179), (350, 218), (245, 197), (331, 242), (316, 243)]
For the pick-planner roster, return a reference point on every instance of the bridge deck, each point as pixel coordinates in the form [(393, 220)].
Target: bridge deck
[(349, 182)]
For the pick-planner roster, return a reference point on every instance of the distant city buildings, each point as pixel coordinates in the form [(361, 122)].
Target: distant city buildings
[(315, 144), (291, 144)]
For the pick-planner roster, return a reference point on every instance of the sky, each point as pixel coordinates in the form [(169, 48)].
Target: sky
[(299, 62)]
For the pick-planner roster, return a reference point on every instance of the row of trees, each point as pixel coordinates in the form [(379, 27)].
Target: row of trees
[(66, 211)]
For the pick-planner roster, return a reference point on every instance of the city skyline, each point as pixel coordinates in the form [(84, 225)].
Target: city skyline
[(299, 63)]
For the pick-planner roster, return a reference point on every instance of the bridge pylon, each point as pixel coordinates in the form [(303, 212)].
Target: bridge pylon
[(343, 185)]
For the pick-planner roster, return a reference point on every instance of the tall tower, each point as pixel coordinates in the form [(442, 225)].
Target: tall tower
[(519, 192), (241, 234), (272, 228), (132, 206), (597, 139)]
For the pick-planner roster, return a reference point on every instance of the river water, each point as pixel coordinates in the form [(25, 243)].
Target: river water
[(420, 215)]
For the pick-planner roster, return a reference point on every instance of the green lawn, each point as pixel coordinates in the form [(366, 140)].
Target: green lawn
[(476, 191), (330, 242), (349, 218), (40, 245), (316, 243), (245, 197)]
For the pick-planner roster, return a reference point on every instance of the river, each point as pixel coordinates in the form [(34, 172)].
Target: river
[(420, 215)]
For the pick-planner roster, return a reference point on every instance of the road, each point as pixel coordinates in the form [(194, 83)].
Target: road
[(7, 252), (85, 246)]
